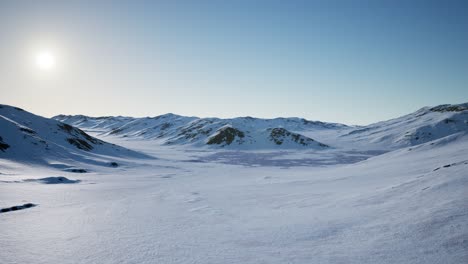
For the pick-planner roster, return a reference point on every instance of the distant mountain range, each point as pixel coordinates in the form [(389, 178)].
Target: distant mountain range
[(424, 125), (235, 133), (25, 137)]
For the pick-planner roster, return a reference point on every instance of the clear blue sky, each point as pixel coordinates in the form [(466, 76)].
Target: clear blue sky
[(354, 62)]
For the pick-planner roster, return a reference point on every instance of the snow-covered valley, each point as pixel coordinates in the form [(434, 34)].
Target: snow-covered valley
[(177, 189)]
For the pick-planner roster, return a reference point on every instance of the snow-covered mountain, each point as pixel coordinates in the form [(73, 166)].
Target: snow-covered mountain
[(30, 138), (237, 133), (210, 205), (406, 206), (424, 125)]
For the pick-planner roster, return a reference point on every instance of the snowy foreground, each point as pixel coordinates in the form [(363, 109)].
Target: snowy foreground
[(393, 208), (206, 205)]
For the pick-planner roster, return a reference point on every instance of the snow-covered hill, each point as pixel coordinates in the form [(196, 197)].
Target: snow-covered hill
[(407, 206), (424, 125), (25, 137), (235, 133)]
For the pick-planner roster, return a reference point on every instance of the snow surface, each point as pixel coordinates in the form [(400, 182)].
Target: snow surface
[(34, 139), (387, 201), (424, 125), (172, 129)]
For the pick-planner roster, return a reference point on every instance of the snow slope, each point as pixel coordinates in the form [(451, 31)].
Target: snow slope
[(405, 206), (424, 125), (170, 129), (194, 204), (25, 137)]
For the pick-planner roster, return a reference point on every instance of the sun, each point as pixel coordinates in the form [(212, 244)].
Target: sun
[(45, 60)]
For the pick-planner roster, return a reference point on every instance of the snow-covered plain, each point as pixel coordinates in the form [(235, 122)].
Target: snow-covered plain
[(390, 199)]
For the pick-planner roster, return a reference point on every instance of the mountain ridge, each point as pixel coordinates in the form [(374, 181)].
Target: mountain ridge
[(175, 129), (423, 125)]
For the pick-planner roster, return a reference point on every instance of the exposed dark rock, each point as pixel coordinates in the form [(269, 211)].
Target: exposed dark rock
[(78, 133), (80, 143), (27, 130), (226, 136), (77, 170), (3, 145), (448, 121), (195, 130), (450, 108), (115, 131), (165, 126), (80, 139), (66, 127), (53, 180), (278, 135), (17, 207)]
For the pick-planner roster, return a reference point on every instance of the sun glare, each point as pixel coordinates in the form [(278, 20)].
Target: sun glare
[(45, 60)]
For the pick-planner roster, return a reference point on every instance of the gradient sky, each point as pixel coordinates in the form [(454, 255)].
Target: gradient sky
[(353, 62)]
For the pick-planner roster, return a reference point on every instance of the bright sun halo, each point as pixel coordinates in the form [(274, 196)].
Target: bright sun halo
[(45, 60)]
